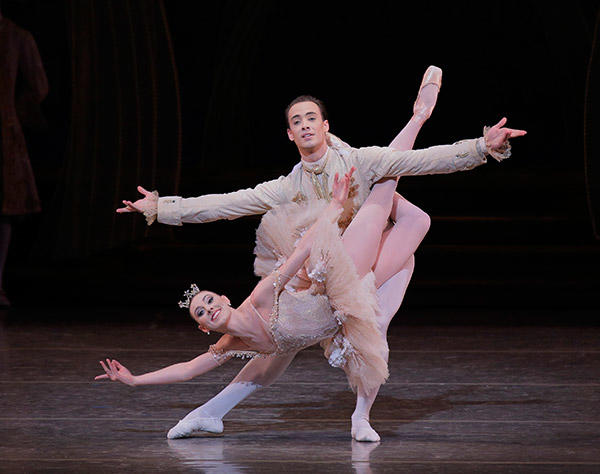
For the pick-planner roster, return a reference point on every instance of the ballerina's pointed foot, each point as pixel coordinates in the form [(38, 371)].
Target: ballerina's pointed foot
[(362, 431), (186, 427), (428, 92)]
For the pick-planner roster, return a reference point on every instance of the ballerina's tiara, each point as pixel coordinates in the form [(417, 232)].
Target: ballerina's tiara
[(188, 295)]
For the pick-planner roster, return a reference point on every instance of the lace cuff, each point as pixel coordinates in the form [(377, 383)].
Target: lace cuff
[(500, 153), (150, 214), (220, 356)]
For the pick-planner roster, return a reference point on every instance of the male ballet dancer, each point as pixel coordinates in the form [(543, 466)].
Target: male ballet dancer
[(308, 128)]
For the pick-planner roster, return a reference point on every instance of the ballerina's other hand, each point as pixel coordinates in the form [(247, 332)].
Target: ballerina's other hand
[(341, 187), (116, 372)]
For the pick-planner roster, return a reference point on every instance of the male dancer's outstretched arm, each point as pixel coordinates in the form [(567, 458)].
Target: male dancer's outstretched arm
[(309, 135)]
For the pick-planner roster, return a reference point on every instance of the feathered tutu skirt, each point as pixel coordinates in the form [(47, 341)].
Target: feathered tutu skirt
[(358, 347)]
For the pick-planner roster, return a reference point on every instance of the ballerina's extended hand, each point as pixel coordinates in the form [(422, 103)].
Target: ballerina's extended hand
[(116, 372)]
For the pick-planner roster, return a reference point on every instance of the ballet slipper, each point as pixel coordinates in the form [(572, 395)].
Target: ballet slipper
[(362, 431), (186, 427), (425, 103)]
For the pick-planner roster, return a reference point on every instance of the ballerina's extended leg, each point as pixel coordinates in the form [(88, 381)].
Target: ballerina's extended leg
[(395, 260), (428, 92), (258, 373)]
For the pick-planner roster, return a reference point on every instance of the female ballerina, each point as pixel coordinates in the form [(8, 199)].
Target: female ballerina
[(338, 308)]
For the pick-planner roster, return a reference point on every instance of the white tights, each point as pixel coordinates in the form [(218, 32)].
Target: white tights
[(258, 373)]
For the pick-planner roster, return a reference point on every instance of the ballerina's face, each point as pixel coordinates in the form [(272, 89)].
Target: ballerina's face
[(306, 126), (211, 311)]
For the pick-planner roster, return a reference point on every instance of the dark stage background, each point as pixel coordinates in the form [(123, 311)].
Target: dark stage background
[(188, 98)]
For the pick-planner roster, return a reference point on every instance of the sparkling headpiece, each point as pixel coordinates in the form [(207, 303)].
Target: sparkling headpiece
[(188, 295)]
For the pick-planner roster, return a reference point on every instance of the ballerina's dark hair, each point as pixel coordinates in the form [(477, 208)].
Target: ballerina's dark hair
[(305, 98)]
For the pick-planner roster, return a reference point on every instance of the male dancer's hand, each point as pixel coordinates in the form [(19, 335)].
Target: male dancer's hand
[(147, 203), (497, 137)]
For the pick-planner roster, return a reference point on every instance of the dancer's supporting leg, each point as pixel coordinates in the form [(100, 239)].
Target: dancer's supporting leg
[(362, 240), (391, 294), (258, 373), (393, 270)]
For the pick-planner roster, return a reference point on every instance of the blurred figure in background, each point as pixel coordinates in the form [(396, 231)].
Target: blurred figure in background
[(23, 86)]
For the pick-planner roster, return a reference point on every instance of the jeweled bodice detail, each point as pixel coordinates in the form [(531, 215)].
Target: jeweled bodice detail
[(300, 319)]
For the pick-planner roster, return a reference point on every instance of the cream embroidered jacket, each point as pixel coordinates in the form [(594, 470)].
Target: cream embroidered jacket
[(372, 164)]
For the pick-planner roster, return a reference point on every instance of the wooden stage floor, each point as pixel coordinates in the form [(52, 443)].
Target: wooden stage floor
[(459, 399)]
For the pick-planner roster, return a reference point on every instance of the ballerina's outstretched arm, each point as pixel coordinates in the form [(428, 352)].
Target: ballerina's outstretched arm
[(262, 295), (180, 372)]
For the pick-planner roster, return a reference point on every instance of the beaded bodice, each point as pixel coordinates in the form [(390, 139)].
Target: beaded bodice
[(301, 319)]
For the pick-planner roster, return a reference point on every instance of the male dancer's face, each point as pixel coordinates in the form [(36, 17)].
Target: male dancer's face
[(307, 128)]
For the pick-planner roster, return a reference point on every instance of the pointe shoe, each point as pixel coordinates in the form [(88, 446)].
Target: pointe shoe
[(362, 431), (423, 107)]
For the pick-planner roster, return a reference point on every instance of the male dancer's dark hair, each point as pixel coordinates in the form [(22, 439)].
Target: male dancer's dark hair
[(305, 98)]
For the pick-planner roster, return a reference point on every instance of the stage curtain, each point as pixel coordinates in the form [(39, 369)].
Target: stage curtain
[(125, 125)]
